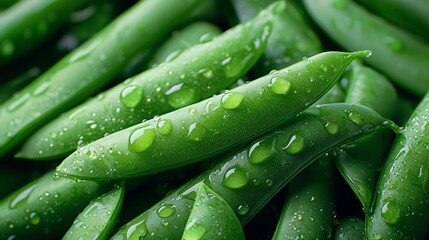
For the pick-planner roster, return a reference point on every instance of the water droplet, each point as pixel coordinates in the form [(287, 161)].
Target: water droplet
[(231, 100), (181, 95), (243, 209), (196, 132), (207, 37), (141, 139), (173, 55), (235, 178), (166, 210), (279, 85), (331, 128), (356, 118), (194, 232), (21, 197), (34, 218), (42, 88), (83, 51), (7, 48), (232, 67), (296, 144), (261, 152), (139, 229), (164, 127), (18, 102), (323, 67), (394, 43), (390, 213), (131, 96)]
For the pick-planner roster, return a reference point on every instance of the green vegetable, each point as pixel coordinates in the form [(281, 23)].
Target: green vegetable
[(210, 127), (84, 71), (211, 218), (98, 219), (249, 178), (195, 74), (360, 161), (45, 207), (350, 229), (309, 209), (398, 54), (27, 24), (402, 198), (291, 40)]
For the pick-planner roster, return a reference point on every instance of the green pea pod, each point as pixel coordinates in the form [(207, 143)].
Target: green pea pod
[(210, 127), (211, 218), (359, 163), (402, 198), (197, 73), (350, 229), (98, 219), (309, 209), (27, 24), (193, 34), (412, 15), (291, 40), (249, 178), (398, 54), (91, 66), (45, 207)]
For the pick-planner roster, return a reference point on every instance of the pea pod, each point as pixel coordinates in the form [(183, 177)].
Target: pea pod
[(400, 209), (91, 66), (291, 40), (396, 53), (193, 34), (194, 75), (350, 229), (249, 178), (359, 162), (98, 219), (27, 24), (211, 218), (309, 209), (45, 207), (210, 127), (411, 15)]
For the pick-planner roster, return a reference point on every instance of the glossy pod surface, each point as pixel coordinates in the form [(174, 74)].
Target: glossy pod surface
[(84, 71), (210, 127), (189, 77), (350, 229), (398, 54), (402, 198), (45, 207), (211, 218), (248, 179), (98, 219)]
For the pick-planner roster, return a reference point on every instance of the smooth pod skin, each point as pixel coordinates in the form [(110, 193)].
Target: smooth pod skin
[(291, 39), (195, 74), (27, 24), (98, 219), (309, 211), (410, 14), (211, 218), (88, 68), (210, 127), (45, 207), (396, 53), (402, 198), (350, 229), (249, 178), (193, 34), (359, 162)]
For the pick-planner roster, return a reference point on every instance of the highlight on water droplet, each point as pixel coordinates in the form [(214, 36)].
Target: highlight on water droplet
[(131, 96), (194, 231), (207, 37), (243, 209), (34, 218), (181, 95), (235, 177), (231, 100), (296, 143), (42, 88), (141, 139), (331, 128), (18, 102), (355, 117), (164, 127), (196, 132), (279, 85), (390, 212), (261, 151), (21, 197), (166, 210)]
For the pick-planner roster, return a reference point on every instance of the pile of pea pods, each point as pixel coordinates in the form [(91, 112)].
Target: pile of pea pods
[(214, 119)]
